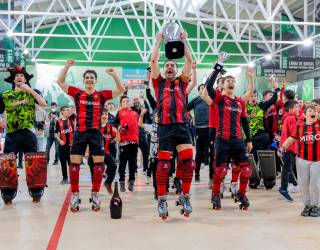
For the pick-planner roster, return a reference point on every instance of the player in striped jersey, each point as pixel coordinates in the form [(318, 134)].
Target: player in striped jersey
[(307, 135), (89, 105)]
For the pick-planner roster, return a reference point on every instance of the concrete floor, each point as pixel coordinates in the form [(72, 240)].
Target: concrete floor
[(270, 223)]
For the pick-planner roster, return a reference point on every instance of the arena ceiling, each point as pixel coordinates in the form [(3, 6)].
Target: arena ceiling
[(213, 25)]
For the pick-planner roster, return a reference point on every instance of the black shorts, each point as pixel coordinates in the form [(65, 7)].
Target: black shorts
[(230, 149), (92, 137), (22, 140), (173, 135)]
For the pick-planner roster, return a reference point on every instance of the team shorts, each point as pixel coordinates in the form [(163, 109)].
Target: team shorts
[(22, 140), (92, 138), (230, 149), (173, 135)]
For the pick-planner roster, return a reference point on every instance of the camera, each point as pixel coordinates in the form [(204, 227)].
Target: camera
[(39, 125)]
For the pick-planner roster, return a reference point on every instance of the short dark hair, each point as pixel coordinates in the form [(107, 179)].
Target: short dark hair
[(228, 77), (53, 104), (90, 71), (289, 94), (63, 108), (123, 97), (221, 78), (290, 105), (309, 107), (171, 60), (316, 101), (202, 84), (266, 92)]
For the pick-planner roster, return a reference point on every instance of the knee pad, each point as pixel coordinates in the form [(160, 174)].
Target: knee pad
[(188, 165), (186, 154), (246, 169), (36, 170), (74, 170), (98, 169), (221, 171), (164, 163), (163, 166)]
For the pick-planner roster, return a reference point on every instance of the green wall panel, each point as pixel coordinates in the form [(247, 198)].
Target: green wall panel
[(118, 27)]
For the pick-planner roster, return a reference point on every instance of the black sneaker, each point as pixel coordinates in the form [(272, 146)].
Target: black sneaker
[(315, 211), (55, 162), (64, 181), (197, 178), (285, 194), (20, 166), (306, 211)]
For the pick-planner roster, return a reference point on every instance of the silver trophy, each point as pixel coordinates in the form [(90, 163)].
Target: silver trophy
[(174, 47), (223, 56)]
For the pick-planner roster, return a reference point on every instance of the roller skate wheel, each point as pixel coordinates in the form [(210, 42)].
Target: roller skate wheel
[(95, 209), (164, 217), (36, 200), (74, 210)]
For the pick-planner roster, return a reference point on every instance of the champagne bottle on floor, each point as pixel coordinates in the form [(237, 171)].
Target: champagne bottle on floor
[(116, 204)]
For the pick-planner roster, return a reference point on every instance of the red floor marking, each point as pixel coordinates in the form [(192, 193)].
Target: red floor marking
[(54, 240)]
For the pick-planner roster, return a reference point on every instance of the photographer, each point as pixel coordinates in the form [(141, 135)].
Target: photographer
[(40, 120), (53, 116)]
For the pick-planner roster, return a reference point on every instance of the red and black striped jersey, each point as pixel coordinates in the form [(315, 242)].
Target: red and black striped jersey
[(88, 107), (308, 137), (213, 116), (108, 135), (230, 112), (171, 99), (65, 129)]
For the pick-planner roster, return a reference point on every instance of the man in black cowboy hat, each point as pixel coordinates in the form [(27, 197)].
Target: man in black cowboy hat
[(19, 107)]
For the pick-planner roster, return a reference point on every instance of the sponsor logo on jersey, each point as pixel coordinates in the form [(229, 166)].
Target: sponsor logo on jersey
[(89, 103), (66, 131), (310, 138), (233, 109)]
